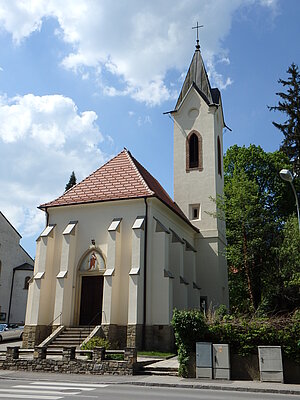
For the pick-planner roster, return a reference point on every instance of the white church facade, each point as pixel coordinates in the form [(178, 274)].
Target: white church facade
[(118, 252)]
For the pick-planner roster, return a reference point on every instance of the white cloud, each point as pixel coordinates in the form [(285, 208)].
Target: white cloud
[(42, 140), (135, 42)]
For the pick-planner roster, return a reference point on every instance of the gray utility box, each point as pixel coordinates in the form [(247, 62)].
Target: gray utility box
[(203, 360), (270, 364), (221, 364)]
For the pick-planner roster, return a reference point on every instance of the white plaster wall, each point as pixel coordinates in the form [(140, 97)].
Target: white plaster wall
[(195, 187), (162, 296), (11, 255), (93, 222), (212, 273), (19, 297)]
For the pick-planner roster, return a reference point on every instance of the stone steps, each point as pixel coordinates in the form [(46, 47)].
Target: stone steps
[(71, 336), (167, 371)]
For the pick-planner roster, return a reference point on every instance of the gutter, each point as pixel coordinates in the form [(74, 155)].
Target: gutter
[(11, 292)]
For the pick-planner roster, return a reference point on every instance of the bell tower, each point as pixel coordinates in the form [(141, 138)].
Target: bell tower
[(198, 172)]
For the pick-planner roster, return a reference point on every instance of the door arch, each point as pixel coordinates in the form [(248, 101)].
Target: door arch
[(90, 287)]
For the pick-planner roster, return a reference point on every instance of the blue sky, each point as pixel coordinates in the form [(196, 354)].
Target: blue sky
[(80, 80)]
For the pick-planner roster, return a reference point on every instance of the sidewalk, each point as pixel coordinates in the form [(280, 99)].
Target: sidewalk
[(158, 381)]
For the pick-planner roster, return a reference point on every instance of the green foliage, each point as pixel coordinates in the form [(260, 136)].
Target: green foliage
[(257, 203), (96, 341), (189, 327), (155, 354), (72, 181), (243, 334), (289, 107)]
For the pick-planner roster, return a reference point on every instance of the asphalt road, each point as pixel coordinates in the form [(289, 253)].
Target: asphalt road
[(54, 390)]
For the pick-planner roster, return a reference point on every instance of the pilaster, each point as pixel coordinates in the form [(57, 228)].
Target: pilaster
[(64, 279)]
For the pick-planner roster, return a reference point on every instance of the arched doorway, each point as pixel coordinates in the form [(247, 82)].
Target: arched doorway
[(91, 272)]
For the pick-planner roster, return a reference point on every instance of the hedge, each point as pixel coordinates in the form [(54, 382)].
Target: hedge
[(243, 334)]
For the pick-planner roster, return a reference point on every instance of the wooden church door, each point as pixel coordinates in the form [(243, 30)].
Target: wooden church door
[(91, 300)]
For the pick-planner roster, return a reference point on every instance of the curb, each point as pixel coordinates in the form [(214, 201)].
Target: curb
[(211, 387)]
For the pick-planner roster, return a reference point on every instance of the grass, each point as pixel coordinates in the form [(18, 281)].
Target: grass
[(155, 354)]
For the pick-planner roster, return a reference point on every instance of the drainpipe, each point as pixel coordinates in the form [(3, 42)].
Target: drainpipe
[(145, 275), (47, 216), (11, 292)]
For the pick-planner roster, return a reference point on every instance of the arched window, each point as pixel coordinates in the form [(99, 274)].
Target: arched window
[(26, 282), (219, 157), (194, 151)]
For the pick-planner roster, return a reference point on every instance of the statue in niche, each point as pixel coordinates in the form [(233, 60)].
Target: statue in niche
[(92, 262)]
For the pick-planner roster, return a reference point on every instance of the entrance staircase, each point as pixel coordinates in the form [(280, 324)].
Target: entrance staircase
[(71, 336), (167, 367)]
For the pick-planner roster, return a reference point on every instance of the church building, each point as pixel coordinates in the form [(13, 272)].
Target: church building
[(118, 252)]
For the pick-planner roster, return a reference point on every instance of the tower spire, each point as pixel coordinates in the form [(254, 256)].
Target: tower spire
[(197, 41)]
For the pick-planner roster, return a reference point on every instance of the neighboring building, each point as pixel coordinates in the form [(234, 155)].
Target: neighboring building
[(119, 252), (16, 269)]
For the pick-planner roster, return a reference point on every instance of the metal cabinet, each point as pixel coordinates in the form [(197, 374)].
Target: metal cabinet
[(204, 360), (270, 364), (221, 364)]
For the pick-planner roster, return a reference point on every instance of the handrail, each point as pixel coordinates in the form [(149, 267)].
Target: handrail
[(54, 319)]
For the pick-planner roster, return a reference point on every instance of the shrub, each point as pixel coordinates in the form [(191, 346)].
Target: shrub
[(96, 341)]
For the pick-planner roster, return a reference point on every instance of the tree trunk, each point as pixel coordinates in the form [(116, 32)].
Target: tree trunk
[(247, 270)]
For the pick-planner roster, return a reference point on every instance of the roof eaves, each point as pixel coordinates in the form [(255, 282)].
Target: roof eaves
[(49, 205)]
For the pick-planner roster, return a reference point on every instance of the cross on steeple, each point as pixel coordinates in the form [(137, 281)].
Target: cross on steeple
[(197, 27)]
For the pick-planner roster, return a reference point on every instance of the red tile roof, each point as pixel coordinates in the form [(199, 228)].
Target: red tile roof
[(122, 177)]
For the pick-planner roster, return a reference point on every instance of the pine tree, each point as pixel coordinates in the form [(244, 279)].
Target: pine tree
[(289, 105), (72, 181)]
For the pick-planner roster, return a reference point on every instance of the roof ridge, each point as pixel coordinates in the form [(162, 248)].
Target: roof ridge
[(132, 159)]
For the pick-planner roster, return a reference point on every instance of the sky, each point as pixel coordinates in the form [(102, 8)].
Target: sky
[(82, 79)]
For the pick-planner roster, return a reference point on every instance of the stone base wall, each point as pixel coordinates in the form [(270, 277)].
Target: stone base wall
[(135, 336), (33, 335), (116, 334), (159, 337), (70, 367)]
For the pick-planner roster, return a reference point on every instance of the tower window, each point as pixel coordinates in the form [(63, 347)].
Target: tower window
[(194, 151), (194, 212)]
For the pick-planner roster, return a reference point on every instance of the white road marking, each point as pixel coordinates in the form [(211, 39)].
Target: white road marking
[(30, 396), (96, 385), (33, 391), (51, 387)]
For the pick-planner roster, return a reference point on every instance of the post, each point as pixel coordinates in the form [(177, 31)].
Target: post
[(12, 353), (69, 353), (40, 353), (99, 354), (130, 355)]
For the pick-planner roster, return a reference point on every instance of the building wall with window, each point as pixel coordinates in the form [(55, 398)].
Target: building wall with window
[(16, 267)]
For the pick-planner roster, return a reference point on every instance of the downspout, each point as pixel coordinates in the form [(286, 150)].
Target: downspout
[(145, 276), (11, 292), (47, 216)]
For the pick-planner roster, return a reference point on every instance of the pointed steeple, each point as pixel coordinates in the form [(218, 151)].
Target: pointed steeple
[(197, 77)]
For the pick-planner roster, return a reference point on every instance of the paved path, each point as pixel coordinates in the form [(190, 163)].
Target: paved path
[(158, 381)]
